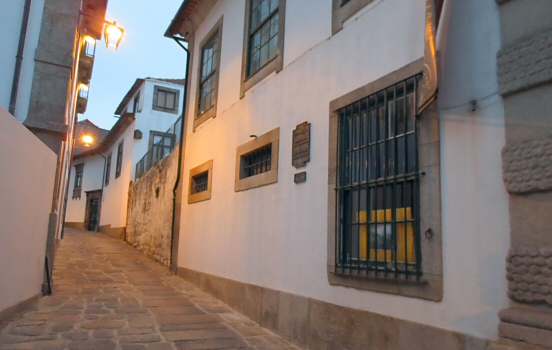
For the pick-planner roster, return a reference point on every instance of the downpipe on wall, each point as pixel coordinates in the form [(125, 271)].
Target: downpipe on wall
[(19, 57), (174, 256)]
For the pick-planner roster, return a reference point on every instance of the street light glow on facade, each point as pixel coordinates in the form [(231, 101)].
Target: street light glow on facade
[(84, 90), (113, 35), (89, 46), (87, 139)]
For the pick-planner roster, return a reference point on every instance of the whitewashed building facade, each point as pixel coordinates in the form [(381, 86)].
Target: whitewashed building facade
[(320, 203), (101, 175)]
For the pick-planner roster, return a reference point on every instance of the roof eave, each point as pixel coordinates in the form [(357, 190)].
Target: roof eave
[(124, 102), (116, 131), (178, 20)]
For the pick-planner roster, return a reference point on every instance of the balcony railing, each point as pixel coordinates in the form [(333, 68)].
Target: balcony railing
[(160, 149)]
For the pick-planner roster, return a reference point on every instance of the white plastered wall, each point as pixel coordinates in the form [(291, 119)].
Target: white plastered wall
[(26, 193), (115, 195), (91, 181), (275, 236), (149, 119), (11, 15)]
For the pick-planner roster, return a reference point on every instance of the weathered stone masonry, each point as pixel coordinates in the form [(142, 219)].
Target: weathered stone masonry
[(150, 205)]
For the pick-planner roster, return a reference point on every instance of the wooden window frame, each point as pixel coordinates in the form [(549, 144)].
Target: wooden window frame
[(276, 64), (211, 112), (108, 168), (77, 189), (119, 164), (155, 107)]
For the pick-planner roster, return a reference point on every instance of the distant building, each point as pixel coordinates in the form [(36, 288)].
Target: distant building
[(100, 176)]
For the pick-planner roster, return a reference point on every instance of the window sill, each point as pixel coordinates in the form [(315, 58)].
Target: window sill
[(263, 179), (429, 287), (267, 178), (165, 110), (210, 113)]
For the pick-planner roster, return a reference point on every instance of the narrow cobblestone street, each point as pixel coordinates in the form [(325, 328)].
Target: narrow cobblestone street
[(108, 295)]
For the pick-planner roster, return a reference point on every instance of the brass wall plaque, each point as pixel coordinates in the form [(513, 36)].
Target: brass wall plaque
[(301, 145), (300, 177)]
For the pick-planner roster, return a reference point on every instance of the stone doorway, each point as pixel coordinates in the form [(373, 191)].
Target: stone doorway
[(92, 212)]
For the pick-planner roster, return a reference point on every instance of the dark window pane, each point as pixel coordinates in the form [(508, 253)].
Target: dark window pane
[(263, 34), (377, 174)]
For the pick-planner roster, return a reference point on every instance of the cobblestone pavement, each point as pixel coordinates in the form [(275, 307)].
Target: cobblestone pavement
[(108, 295)]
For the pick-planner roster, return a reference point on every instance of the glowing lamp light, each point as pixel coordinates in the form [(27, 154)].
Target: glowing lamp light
[(87, 139), (113, 35)]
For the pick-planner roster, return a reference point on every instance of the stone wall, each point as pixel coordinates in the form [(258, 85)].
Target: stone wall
[(150, 204)]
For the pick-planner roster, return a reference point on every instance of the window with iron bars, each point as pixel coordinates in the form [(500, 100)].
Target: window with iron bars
[(378, 185), (200, 182), (257, 162)]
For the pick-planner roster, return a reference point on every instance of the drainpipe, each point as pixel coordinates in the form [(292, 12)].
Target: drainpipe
[(102, 195), (67, 191), (181, 143), (19, 57)]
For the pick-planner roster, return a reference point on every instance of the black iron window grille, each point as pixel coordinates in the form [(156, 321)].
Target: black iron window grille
[(200, 182), (107, 170), (257, 162), (207, 79), (263, 34), (166, 99), (377, 197)]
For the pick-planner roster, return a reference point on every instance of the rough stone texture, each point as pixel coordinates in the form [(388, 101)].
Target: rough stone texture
[(525, 64), (529, 272), (150, 204), (109, 296), (527, 166)]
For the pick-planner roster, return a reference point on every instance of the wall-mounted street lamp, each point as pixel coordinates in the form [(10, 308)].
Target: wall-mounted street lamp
[(87, 140), (113, 35)]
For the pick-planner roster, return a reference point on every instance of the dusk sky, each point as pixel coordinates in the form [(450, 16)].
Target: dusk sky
[(144, 52)]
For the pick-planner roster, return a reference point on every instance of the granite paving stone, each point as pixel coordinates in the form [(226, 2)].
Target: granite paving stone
[(110, 296)]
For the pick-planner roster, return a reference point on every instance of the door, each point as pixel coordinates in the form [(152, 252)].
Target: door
[(94, 214)]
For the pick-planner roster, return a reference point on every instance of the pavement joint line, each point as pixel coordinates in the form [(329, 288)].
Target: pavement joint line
[(121, 296)]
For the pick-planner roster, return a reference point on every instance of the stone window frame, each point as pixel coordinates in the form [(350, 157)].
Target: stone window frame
[(276, 64), (342, 11), (204, 195), (212, 112), (77, 190), (108, 168), (263, 179), (156, 89), (119, 163), (430, 286)]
